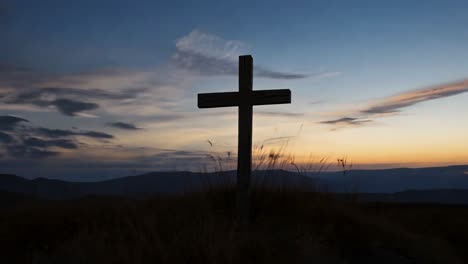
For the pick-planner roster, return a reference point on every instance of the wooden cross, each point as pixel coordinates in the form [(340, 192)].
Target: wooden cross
[(245, 99)]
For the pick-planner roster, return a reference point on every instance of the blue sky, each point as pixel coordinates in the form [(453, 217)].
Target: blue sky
[(383, 84)]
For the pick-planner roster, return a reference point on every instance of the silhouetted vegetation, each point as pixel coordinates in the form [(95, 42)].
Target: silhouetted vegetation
[(288, 226)]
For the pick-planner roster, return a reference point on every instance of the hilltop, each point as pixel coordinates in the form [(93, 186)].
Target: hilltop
[(287, 226)]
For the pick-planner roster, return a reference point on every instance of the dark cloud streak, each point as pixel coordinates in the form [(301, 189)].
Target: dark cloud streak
[(71, 107), (347, 121), (394, 104), (122, 125), (5, 138), (8, 123), (57, 133), (68, 101), (29, 142), (61, 143)]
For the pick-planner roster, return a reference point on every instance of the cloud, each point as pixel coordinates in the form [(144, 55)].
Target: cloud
[(30, 148), (56, 133), (278, 114), (267, 73), (71, 107), (31, 142), (346, 121), (61, 143), (122, 125), (60, 98), (152, 92), (204, 65), (20, 151), (94, 134), (5, 138), (208, 54), (394, 104), (10, 122), (75, 92), (210, 45)]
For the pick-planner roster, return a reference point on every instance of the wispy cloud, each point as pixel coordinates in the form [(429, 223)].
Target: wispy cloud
[(208, 54), (350, 121), (394, 104), (123, 125), (58, 133), (278, 114), (28, 94)]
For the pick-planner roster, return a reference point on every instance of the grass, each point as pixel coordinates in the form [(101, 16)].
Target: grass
[(267, 155), (288, 226)]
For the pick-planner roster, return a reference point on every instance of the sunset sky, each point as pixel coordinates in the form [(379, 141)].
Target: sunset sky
[(96, 89)]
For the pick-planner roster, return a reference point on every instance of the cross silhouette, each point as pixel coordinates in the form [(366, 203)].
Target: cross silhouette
[(245, 99)]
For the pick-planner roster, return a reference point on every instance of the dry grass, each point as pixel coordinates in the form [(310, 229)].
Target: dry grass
[(287, 227), (269, 154)]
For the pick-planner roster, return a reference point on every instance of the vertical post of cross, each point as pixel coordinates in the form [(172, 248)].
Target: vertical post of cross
[(244, 160)]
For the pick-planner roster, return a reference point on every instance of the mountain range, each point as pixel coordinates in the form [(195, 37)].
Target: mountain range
[(435, 184)]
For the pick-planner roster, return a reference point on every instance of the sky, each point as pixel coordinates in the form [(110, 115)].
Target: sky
[(98, 89)]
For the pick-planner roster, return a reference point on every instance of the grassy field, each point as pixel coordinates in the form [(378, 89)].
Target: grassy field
[(288, 226)]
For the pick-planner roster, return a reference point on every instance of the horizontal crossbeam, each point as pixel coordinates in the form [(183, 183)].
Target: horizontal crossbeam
[(266, 97), (210, 100), (230, 99)]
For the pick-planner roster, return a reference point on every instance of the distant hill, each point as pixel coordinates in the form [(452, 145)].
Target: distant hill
[(438, 184), (150, 184), (396, 180)]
